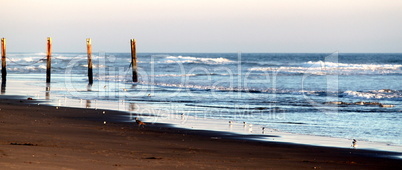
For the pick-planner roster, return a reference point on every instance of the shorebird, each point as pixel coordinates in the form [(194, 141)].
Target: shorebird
[(354, 143), (139, 122)]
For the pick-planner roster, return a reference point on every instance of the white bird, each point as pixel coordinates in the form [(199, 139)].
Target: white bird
[(354, 143)]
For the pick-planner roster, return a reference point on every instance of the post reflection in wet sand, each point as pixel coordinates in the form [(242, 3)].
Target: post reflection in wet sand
[(131, 107), (88, 104), (3, 87), (89, 87), (47, 91)]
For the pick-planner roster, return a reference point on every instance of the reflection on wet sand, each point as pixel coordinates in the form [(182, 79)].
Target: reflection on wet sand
[(88, 104), (89, 87), (47, 93), (131, 107), (3, 87)]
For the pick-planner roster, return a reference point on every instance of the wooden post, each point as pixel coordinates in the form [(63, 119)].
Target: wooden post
[(134, 60), (49, 59), (89, 53), (3, 60)]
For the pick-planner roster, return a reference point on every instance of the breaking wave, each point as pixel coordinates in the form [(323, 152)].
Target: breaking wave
[(189, 59), (331, 68), (375, 94)]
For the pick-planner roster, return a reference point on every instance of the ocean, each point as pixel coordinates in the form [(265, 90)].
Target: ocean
[(336, 95)]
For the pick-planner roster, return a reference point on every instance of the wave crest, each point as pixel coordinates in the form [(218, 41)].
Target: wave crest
[(375, 94), (189, 59), (331, 68)]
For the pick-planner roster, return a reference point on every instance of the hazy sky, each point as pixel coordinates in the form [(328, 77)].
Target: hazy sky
[(203, 25)]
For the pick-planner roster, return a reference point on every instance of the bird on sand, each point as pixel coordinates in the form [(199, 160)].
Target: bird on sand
[(354, 143), (139, 122)]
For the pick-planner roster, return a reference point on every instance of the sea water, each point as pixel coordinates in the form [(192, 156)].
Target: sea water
[(335, 95)]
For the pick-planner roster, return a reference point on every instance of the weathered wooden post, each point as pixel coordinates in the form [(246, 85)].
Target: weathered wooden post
[(134, 60), (49, 59), (89, 53), (3, 60)]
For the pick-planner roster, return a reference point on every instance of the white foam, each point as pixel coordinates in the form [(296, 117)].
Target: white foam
[(328, 68), (27, 68), (24, 60), (94, 66), (40, 53), (61, 57), (174, 75), (374, 94), (189, 59)]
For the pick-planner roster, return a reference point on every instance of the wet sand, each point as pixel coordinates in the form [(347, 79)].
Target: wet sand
[(47, 137)]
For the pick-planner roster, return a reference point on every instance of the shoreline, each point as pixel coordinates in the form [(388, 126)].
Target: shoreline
[(37, 91), (190, 123), (48, 98), (52, 137)]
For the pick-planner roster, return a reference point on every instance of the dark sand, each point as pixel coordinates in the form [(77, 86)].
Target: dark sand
[(43, 137)]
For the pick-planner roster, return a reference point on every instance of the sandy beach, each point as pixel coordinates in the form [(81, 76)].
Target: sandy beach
[(222, 84), (47, 137)]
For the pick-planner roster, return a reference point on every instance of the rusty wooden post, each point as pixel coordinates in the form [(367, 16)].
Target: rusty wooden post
[(89, 53), (134, 60), (3, 60), (49, 59)]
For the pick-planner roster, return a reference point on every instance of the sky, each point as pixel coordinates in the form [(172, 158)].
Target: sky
[(285, 26)]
